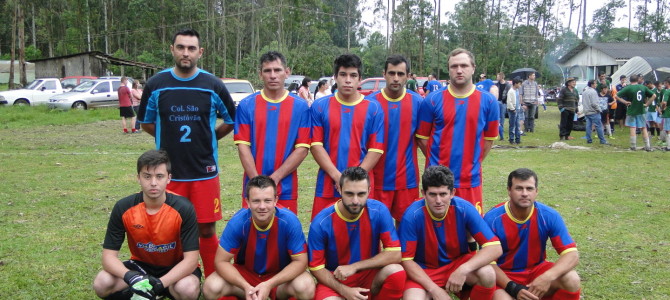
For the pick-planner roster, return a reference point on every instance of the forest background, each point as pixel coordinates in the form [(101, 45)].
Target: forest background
[(503, 34)]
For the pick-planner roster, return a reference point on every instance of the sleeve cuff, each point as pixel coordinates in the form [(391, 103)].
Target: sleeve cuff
[(407, 258), (491, 244), (242, 142), (491, 138), (317, 268), (568, 250), (392, 249), (376, 150), (317, 144), (302, 145), (423, 137)]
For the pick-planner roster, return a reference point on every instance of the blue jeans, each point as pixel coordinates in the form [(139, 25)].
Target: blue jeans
[(501, 124), (530, 117), (514, 132), (591, 120)]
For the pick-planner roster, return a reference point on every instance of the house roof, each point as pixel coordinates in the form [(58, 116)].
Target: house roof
[(622, 51), (108, 58)]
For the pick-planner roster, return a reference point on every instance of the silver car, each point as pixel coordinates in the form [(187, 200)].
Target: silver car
[(90, 94)]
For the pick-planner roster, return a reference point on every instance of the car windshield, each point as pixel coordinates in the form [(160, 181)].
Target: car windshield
[(84, 86), (239, 87), (33, 85)]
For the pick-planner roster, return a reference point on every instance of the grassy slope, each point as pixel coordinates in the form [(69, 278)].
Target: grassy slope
[(63, 171)]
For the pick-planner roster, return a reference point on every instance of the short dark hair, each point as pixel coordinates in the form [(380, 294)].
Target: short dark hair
[(154, 158), (591, 82), (271, 56), (186, 32), (517, 80), (521, 174), (354, 174), (622, 76), (437, 176), (633, 78), (260, 182), (395, 60), (347, 61)]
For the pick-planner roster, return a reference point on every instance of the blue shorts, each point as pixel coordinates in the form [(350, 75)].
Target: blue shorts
[(666, 124), (636, 121), (652, 116)]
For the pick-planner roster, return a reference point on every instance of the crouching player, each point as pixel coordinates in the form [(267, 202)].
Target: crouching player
[(269, 249), (162, 236), (344, 245), (435, 252), (523, 226)]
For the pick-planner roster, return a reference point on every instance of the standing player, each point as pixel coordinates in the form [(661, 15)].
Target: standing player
[(524, 226), (344, 245), (431, 85), (347, 130), (396, 175), (126, 105), (435, 251), (272, 131), (162, 238), (633, 97), (620, 110), (458, 126), (269, 249), (665, 113), (179, 108)]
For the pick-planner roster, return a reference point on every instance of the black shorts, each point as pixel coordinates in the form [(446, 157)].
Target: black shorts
[(126, 111), (156, 271), (620, 113)]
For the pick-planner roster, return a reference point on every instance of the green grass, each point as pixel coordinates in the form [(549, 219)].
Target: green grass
[(61, 173)]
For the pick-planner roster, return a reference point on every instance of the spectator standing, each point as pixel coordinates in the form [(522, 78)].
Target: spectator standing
[(666, 113), (529, 96), (605, 101), (514, 106), (303, 91), (321, 89), (592, 112), (126, 105), (567, 105), (620, 112), (136, 97), (503, 89)]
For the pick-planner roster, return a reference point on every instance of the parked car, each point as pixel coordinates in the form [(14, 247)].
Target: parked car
[(70, 82), (293, 81), (90, 94), (37, 92), (371, 85), (238, 89)]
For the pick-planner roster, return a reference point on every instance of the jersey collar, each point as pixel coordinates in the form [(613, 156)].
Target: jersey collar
[(337, 97), (337, 210), (434, 218), (404, 92), (274, 101), (269, 225), (461, 96), (509, 213)]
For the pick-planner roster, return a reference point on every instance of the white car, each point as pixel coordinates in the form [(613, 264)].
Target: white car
[(238, 89), (90, 94)]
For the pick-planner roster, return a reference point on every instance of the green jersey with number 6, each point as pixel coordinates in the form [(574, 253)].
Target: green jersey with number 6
[(637, 94)]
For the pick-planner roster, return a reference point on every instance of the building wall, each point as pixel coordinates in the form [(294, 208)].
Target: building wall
[(80, 65)]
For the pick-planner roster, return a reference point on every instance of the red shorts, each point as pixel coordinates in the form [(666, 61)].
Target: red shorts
[(362, 279), (205, 196), (320, 203), (440, 275), (290, 204), (473, 195), (397, 201), (255, 279), (527, 276)]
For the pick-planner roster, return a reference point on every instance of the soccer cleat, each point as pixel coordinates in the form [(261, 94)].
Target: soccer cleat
[(648, 149)]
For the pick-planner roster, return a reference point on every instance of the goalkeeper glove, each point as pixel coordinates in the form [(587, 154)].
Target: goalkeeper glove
[(139, 284), (514, 288), (157, 285)]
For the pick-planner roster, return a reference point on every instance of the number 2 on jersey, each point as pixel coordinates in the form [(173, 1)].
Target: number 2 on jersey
[(187, 131)]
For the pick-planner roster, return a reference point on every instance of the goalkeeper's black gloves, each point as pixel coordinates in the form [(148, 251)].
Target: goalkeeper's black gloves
[(157, 284), (140, 284), (514, 288)]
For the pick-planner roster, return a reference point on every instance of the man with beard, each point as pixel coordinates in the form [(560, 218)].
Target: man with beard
[(344, 242), (179, 107)]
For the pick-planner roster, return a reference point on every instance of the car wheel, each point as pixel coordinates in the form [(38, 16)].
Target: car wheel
[(79, 105), (21, 102)]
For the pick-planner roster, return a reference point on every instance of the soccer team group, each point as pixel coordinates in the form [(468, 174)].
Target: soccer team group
[(369, 237)]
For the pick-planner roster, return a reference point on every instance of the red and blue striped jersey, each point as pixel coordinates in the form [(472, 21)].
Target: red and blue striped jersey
[(433, 242), (273, 129), (398, 168), (263, 250), (348, 131), (524, 242), (334, 240), (456, 127)]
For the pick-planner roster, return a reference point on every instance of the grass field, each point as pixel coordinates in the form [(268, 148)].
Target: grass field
[(61, 173)]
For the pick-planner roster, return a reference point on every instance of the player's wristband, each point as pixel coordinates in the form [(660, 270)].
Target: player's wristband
[(131, 277), (514, 288)]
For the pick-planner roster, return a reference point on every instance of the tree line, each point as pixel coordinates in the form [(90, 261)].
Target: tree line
[(503, 34)]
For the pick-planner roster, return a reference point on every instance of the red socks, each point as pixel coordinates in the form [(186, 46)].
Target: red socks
[(208, 247), (392, 287), (565, 295), (482, 293)]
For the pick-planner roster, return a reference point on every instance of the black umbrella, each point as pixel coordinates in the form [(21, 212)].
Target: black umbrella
[(523, 73)]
